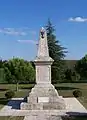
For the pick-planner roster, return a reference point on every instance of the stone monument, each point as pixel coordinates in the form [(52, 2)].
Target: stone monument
[(43, 96)]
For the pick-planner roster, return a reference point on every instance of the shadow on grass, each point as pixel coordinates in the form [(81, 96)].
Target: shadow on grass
[(30, 87), (75, 116), (65, 88), (3, 101), (57, 87), (3, 89), (15, 104)]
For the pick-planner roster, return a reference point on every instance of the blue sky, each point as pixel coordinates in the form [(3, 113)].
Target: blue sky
[(21, 20)]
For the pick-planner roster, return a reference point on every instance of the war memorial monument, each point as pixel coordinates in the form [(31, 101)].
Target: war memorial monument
[(43, 96), (43, 102)]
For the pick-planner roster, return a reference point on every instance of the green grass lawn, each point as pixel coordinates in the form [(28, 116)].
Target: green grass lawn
[(11, 118), (21, 93), (22, 118), (64, 89)]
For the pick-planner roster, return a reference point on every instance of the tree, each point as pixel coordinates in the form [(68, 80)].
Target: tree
[(1, 63), (68, 75), (56, 51), (17, 70), (2, 80), (71, 76), (81, 67)]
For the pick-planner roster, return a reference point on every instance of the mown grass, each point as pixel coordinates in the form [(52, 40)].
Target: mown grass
[(63, 118), (11, 118)]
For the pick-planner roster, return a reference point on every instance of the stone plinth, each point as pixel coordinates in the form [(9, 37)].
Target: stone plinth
[(47, 92)]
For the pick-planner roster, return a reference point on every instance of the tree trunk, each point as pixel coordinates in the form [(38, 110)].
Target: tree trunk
[(17, 86)]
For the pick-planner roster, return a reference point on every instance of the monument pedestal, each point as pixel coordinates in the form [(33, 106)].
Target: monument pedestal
[(43, 97)]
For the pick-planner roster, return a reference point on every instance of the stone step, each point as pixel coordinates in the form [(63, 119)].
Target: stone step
[(42, 117)]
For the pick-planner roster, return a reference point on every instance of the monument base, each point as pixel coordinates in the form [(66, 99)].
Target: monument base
[(43, 97)]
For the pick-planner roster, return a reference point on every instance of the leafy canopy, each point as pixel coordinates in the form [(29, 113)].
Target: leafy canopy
[(56, 51)]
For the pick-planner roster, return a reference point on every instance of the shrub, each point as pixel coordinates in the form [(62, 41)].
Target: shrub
[(9, 94), (77, 93)]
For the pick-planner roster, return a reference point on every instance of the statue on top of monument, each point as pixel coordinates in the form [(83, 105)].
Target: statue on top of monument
[(42, 32)]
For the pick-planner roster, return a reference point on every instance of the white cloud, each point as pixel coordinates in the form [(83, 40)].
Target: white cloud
[(32, 32), (77, 19), (12, 31), (17, 31), (28, 30), (27, 41)]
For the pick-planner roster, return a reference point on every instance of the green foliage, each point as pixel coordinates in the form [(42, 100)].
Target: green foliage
[(77, 93), (1, 63), (71, 75), (68, 75), (9, 94), (18, 70), (2, 75), (56, 51), (81, 67), (32, 63), (58, 71), (70, 64)]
